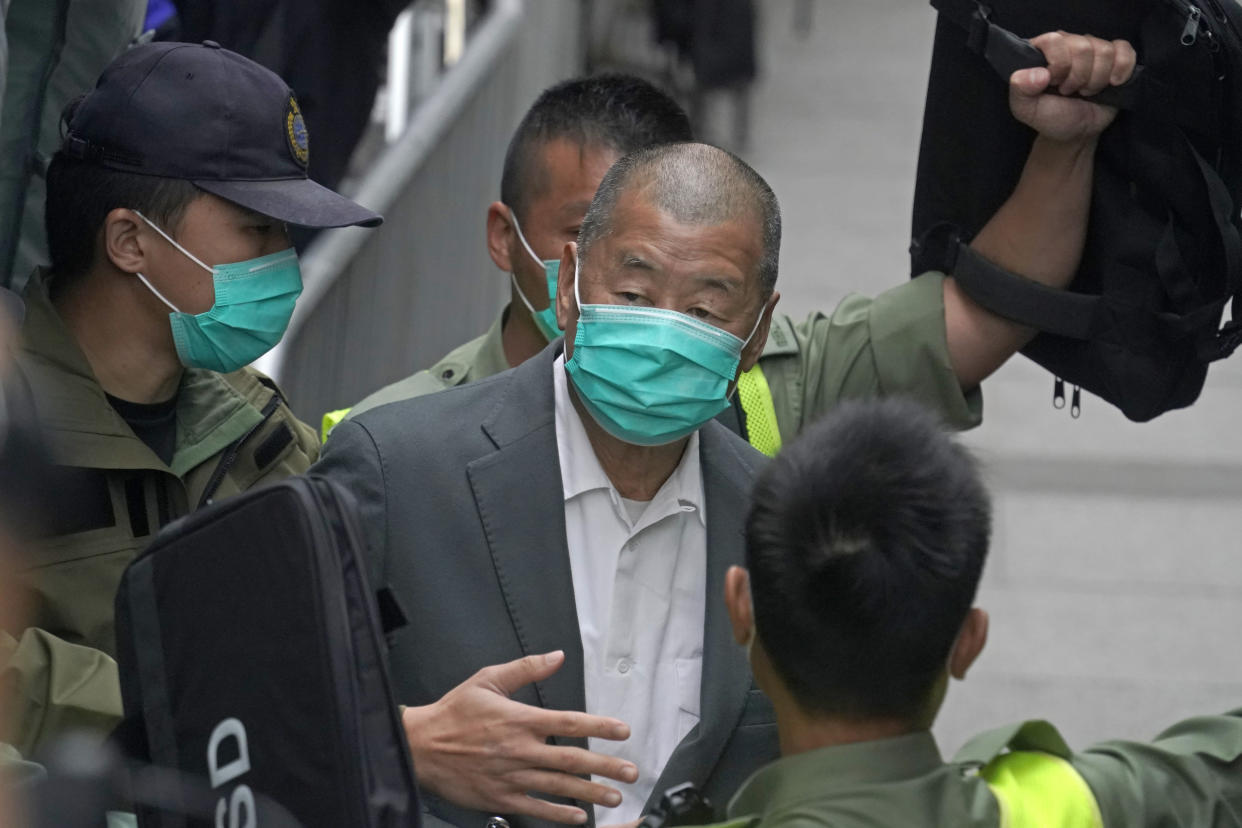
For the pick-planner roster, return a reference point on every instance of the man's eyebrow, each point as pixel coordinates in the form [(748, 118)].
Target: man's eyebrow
[(726, 284), (633, 260)]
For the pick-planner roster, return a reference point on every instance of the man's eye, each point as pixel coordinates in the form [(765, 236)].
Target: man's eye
[(630, 297), (262, 228), (699, 313)]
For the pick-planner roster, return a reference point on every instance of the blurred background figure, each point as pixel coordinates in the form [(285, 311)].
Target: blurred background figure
[(704, 52), (20, 459), (329, 51), (56, 50), (716, 38)]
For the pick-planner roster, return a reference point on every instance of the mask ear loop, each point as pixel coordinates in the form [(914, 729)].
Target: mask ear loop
[(733, 390), (158, 295), (521, 295), (577, 301), (522, 238), (756, 328), (171, 241)]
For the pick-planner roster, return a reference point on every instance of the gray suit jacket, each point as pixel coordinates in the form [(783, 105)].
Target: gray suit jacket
[(465, 518)]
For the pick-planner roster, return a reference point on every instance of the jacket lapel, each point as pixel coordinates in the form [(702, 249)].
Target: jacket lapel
[(520, 499), (726, 671)]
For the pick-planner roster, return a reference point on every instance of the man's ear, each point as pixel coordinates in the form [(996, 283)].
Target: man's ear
[(970, 643), (737, 601), (566, 307), (500, 236), (124, 242), (750, 354)]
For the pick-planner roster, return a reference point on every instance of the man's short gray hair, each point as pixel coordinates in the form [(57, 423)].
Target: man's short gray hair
[(695, 184)]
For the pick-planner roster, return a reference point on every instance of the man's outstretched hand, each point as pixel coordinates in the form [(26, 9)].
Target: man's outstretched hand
[(479, 749), (1078, 65)]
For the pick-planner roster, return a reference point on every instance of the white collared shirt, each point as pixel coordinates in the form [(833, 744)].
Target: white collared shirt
[(640, 583)]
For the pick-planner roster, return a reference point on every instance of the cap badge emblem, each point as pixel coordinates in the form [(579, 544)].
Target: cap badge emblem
[(295, 131)]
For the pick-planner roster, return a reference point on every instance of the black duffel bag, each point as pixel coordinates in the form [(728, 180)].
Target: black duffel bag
[(252, 660), (1141, 320)]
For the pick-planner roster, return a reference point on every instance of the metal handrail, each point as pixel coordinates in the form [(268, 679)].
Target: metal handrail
[(329, 255)]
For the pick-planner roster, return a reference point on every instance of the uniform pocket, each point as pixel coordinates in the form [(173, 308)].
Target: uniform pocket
[(689, 685)]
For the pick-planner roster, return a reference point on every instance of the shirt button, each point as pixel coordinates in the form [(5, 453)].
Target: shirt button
[(623, 666)]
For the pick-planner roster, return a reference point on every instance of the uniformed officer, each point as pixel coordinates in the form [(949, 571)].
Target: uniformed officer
[(171, 270), (865, 544)]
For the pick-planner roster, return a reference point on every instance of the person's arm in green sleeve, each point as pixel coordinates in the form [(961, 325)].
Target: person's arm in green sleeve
[(894, 344), (57, 687), (1189, 775)]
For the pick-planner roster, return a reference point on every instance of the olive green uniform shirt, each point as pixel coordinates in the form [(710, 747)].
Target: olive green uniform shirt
[(233, 432), (1190, 775), (478, 359), (894, 343)]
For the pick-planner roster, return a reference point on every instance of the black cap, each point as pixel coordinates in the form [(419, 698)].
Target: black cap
[(213, 117)]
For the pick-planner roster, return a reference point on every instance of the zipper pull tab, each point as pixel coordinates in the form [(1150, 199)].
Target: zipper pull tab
[(1076, 403), (1191, 33), (1058, 393)]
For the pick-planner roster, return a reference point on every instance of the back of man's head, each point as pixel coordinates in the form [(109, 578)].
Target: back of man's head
[(620, 112), (865, 544)]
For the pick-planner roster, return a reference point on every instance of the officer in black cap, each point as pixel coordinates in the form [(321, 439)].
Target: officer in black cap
[(171, 270)]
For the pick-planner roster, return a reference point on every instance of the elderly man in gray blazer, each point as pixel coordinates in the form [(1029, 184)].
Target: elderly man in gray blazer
[(558, 534)]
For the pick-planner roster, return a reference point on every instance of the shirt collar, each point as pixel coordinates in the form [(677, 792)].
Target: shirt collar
[(581, 471), (793, 779)]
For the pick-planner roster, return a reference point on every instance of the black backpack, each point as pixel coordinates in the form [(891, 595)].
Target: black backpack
[(1141, 320), (252, 660)]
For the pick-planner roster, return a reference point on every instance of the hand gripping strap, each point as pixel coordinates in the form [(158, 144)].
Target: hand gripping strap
[(1007, 53)]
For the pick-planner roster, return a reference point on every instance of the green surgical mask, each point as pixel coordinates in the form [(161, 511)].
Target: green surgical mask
[(650, 376), (545, 319), (254, 302)]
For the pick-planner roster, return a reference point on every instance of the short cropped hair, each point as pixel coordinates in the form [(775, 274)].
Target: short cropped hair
[(695, 184), (80, 194), (865, 543), (621, 112)]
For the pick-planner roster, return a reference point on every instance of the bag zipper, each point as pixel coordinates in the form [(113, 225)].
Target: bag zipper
[(1058, 397), (230, 454), (1190, 33)]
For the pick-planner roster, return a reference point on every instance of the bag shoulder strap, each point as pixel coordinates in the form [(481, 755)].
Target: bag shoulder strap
[(1061, 312)]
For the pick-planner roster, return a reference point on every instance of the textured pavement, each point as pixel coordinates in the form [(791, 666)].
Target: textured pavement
[(1115, 580)]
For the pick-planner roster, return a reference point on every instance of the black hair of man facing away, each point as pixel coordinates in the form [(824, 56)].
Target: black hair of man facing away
[(866, 541), (865, 548)]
